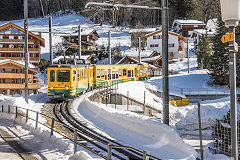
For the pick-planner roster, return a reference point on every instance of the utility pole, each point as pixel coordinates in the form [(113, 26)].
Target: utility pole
[(113, 17), (188, 55), (50, 40), (79, 42), (139, 49), (233, 95), (26, 47), (109, 47), (165, 82)]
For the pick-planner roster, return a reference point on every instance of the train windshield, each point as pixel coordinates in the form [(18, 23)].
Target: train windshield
[(63, 76)]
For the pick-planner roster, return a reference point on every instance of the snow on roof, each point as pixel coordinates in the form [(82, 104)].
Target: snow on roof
[(55, 60), (19, 62), (142, 30), (134, 53), (210, 33), (187, 21), (151, 59)]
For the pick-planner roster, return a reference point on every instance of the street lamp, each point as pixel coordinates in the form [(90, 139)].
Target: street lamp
[(230, 10)]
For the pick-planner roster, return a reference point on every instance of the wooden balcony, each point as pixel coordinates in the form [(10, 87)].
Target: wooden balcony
[(21, 58), (37, 50), (14, 76), (16, 40), (18, 86)]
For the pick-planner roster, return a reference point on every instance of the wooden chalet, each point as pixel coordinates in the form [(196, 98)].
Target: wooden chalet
[(12, 77), (12, 44), (185, 27), (88, 39)]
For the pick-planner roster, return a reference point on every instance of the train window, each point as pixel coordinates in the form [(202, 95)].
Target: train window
[(141, 72), (98, 73), (113, 74), (105, 75), (135, 72), (144, 70), (102, 72), (129, 73), (74, 75), (63, 75), (85, 74), (82, 74), (124, 72), (52, 76), (90, 72), (132, 73), (116, 74), (109, 74), (78, 74), (120, 72)]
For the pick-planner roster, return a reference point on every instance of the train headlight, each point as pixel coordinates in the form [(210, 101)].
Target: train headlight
[(66, 87), (51, 87)]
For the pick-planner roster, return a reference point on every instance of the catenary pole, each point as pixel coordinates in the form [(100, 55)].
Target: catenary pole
[(188, 55), (79, 42), (165, 83), (26, 47), (139, 49), (233, 96), (50, 40), (109, 47)]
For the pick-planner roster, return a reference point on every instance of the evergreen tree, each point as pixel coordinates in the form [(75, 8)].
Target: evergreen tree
[(219, 61), (204, 53)]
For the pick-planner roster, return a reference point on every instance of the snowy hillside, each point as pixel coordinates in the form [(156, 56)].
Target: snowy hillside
[(65, 24)]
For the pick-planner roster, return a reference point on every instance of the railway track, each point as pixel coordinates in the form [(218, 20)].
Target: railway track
[(90, 139)]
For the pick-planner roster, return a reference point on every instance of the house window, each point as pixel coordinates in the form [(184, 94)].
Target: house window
[(171, 45), (11, 37), (1, 36), (20, 46), (33, 54), (11, 46), (157, 37), (153, 45), (20, 37)]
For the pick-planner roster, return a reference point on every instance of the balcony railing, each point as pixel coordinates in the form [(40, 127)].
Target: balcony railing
[(19, 49), (14, 76), (16, 40), (21, 58), (18, 86)]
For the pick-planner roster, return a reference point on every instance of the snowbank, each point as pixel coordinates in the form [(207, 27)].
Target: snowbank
[(139, 131), (187, 117)]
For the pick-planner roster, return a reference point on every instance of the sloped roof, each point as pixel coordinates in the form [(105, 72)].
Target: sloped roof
[(142, 30), (169, 32), (134, 53), (18, 63), (10, 24), (188, 21), (84, 32), (151, 58)]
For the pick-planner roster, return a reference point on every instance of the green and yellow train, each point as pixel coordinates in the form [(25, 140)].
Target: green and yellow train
[(67, 80)]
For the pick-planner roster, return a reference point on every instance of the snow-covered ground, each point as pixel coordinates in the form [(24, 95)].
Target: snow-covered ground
[(37, 142), (131, 129)]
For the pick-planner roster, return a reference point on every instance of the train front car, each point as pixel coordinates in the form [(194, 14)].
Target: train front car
[(59, 81)]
